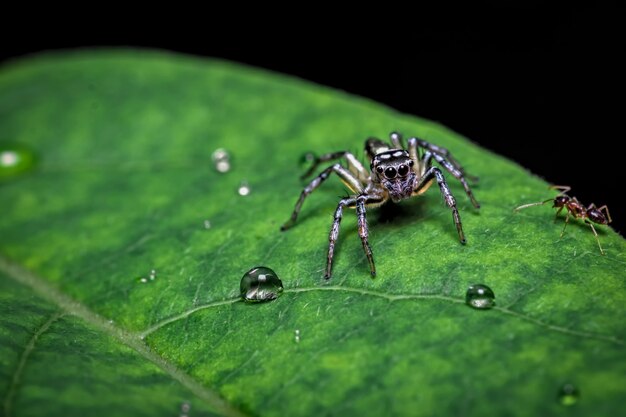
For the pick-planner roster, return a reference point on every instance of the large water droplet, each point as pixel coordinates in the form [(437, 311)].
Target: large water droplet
[(260, 284), (221, 160), (568, 394), (480, 296), (15, 159), (244, 188)]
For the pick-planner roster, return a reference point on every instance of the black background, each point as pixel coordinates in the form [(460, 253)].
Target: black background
[(542, 86)]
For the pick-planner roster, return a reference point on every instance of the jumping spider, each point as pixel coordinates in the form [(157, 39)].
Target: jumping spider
[(396, 174), (590, 214)]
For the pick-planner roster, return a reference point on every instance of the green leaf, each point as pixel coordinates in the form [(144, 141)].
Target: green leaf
[(120, 182)]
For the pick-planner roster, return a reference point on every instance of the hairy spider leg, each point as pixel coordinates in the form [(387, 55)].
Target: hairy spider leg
[(346, 176), (354, 165), (444, 159), (359, 203), (396, 140), (458, 174), (445, 153), (425, 180)]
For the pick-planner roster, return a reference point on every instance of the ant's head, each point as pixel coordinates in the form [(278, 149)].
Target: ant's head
[(561, 201), (597, 216)]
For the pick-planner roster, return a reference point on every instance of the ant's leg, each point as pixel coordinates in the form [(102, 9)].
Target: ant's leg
[(596, 236), (354, 165), (566, 222), (556, 216), (334, 233), (434, 172), (563, 189), (345, 175)]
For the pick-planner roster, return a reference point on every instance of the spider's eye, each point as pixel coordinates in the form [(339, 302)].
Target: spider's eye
[(379, 170), (403, 170), (390, 173)]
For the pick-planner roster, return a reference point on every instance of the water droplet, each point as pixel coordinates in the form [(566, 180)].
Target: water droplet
[(480, 296), (307, 158), (207, 224), (184, 409), (14, 160), (297, 336), (152, 275), (142, 280), (221, 160), (260, 284), (244, 188), (568, 395)]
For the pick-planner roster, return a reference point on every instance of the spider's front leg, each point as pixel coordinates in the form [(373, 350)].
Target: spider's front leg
[(358, 203), (424, 181), (445, 159), (346, 176)]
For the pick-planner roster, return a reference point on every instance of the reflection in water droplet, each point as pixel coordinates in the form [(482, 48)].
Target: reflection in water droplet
[(297, 336), (14, 160), (260, 284), (207, 224), (152, 275), (568, 394), (221, 160), (480, 297), (244, 188)]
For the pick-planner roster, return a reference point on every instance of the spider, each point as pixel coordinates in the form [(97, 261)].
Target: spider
[(396, 174), (591, 214)]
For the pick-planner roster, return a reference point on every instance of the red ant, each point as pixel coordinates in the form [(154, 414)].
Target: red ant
[(575, 209)]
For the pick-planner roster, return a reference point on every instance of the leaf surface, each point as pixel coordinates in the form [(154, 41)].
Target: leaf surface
[(123, 185)]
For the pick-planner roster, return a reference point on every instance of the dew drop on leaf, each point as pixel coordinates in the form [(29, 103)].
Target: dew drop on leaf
[(260, 284), (221, 160), (307, 158), (480, 297), (244, 188), (297, 336), (207, 224), (14, 160), (568, 394)]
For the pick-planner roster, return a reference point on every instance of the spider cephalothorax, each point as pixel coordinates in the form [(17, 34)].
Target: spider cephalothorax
[(396, 174)]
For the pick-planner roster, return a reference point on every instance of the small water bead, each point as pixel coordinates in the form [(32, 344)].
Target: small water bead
[(307, 158), (221, 160), (184, 409), (260, 284), (244, 188), (152, 275), (297, 336), (480, 296), (568, 395), (14, 160), (207, 224)]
